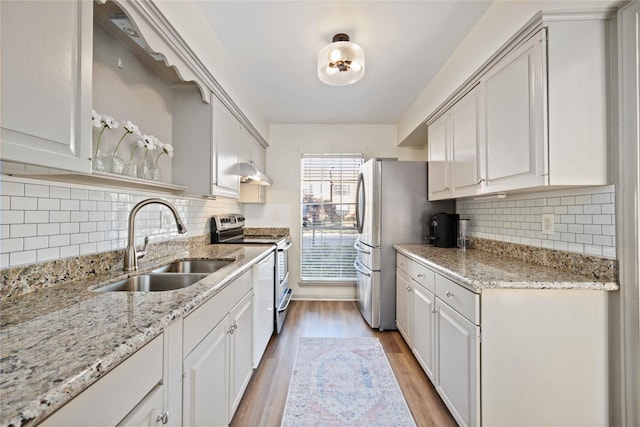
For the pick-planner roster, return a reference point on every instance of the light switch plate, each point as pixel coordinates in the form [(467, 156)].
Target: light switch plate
[(548, 223)]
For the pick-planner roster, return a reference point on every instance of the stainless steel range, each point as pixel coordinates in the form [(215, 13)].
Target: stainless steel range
[(229, 228)]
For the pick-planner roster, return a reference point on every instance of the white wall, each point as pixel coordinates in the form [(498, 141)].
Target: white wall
[(188, 20), (501, 21), (288, 143)]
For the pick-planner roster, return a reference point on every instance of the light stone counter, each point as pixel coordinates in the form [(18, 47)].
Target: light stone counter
[(479, 270), (57, 341)]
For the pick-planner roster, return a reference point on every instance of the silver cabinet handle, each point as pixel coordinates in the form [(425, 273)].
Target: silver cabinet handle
[(420, 275), (164, 418), (480, 181), (449, 293)]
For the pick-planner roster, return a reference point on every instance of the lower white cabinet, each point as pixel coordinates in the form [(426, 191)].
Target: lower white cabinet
[(205, 388), (115, 398), (457, 358), (403, 305), (149, 413), (218, 355), (541, 358), (424, 322)]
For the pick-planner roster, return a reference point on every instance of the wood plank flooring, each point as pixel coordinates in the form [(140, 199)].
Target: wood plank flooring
[(264, 400)]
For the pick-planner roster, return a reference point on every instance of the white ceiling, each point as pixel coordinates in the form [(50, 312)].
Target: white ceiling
[(274, 45)]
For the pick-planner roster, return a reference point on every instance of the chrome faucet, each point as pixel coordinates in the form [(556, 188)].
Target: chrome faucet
[(131, 254)]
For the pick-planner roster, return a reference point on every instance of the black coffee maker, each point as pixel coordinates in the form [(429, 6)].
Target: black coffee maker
[(444, 230)]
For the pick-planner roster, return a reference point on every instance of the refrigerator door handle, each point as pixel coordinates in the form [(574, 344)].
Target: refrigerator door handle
[(360, 203), (357, 266), (358, 247)]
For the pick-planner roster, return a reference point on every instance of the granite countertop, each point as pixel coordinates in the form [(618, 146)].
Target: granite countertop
[(57, 341), (478, 270)]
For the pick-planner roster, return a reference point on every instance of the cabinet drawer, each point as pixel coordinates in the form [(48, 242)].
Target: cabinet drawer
[(424, 276), (203, 319), (112, 397), (460, 299), (403, 263)]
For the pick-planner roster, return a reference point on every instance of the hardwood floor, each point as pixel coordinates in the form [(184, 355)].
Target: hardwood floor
[(264, 400)]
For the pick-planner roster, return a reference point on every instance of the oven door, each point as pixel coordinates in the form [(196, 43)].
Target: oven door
[(282, 291)]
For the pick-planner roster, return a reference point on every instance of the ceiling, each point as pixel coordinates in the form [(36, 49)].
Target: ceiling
[(274, 46)]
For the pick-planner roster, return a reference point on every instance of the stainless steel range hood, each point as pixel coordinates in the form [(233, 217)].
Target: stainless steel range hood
[(249, 174)]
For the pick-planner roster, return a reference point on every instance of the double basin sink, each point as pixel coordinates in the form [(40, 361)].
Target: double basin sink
[(177, 275)]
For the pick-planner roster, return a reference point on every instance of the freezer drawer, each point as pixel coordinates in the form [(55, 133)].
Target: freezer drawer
[(368, 294), (367, 255)]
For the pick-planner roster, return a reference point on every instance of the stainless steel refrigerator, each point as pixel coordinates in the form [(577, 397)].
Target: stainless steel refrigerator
[(391, 207)]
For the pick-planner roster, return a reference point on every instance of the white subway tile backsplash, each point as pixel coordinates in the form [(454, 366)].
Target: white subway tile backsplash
[(60, 192), (59, 220), (25, 257), (8, 188), (22, 230), (584, 222), (36, 217), (48, 254), (24, 203), (34, 190)]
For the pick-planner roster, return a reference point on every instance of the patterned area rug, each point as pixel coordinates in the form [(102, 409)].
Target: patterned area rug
[(344, 382)]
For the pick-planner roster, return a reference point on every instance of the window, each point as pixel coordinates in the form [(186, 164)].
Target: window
[(329, 230)]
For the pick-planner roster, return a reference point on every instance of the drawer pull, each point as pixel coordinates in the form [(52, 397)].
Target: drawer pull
[(164, 418), (420, 275), (449, 293)]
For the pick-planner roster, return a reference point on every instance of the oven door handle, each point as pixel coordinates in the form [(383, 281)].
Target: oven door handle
[(357, 266), (288, 298), (358, 247), (286, 247)]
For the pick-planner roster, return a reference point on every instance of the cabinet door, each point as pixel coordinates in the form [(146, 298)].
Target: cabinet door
[(226, 142), (403, 305), (465, 146), (259, 156), (149, 413), (205, 398), (514, 122), (457, 364), (438, 143), (241, 350), (46, 83), (424, 329)]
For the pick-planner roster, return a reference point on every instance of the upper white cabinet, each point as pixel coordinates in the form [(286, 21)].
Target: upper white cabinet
[(226, 146), (534, 115), (513, 91), (455, 150), (46, 83)]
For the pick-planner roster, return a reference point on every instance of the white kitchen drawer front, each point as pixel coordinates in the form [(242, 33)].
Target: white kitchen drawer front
[(403, 263), (112, 397), (424, 276), (460, 299), (199, 323)]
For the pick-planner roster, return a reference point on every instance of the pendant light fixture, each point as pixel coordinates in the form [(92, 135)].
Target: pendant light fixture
[(341, 63)]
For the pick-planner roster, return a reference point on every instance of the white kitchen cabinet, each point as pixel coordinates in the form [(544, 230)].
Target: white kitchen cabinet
[(513, 94), (46, 83), (541, 113), (404, 305), (149, 413), (116, 396), (240, 351), (217, 349), (439, 161), (455, 150), (206, 380), (255, 154), (457, 364), (424, 321), (226, 146), (263, 306)]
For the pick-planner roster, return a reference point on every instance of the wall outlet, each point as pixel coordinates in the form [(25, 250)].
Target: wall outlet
[(548, 223)]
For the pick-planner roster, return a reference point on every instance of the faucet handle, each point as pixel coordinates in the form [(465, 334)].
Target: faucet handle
[(143, 251)]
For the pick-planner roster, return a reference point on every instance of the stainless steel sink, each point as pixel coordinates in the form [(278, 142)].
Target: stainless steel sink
[(153, 282), (193, 266)]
